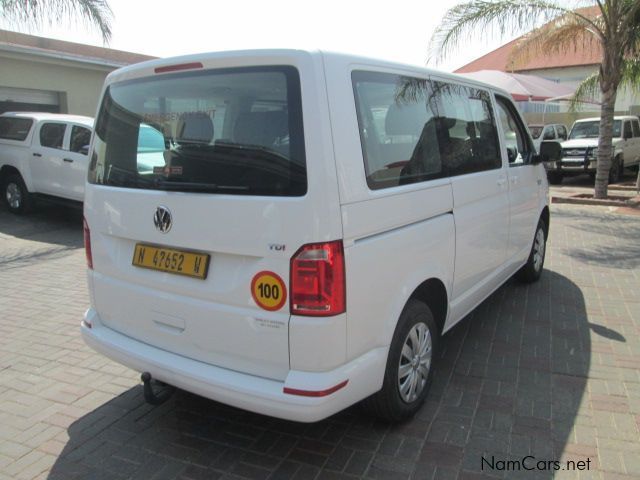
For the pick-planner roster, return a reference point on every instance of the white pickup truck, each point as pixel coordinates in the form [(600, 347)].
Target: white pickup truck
[(579, 151), (43, 155)]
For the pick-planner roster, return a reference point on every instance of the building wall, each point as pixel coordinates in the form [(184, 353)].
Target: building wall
[(79, 85), (627, 98)]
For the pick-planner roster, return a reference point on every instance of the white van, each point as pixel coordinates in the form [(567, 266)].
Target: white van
[(317, 223)]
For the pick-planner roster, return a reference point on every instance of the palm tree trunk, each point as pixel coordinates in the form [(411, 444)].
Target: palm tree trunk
[(605, 150)]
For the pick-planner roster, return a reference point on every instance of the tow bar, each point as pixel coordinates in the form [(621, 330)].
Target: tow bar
[(155, 398)]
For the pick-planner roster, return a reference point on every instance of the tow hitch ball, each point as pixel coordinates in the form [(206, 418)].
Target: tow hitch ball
[(155, 398)]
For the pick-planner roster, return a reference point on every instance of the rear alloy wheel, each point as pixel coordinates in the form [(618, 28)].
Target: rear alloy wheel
[(410, 365), (531, 271), (16, 195)]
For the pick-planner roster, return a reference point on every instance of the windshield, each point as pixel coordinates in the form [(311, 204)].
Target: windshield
[(232, 131), (536, 131), (591, 129)]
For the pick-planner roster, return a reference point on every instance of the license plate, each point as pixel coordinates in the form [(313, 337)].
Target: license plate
[(169, 260)]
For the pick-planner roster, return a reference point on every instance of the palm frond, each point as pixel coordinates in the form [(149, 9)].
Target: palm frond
[(589, 88), (507, 16), (561, 35), (34, 13), (631, 74), (587, 91)]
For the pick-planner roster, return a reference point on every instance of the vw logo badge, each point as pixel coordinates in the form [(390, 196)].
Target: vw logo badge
[(162, 219)]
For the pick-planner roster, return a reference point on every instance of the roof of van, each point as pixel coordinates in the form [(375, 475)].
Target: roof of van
[(52, 116), (327, 56)]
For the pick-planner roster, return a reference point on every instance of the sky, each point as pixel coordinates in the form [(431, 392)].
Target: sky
[(392, 30)]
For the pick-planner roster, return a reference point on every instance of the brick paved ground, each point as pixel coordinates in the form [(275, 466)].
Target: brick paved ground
[(549, 370)]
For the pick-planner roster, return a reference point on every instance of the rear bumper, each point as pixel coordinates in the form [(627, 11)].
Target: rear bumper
[(257, 394)]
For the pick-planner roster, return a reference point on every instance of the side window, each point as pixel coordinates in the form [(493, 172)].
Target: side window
[(516, 141), (80, 139), (397, 129), (52, 135), (466, 129), (636, 128), (627, 130), (412, 130), (562, 132), (15, 128), (549, 133)]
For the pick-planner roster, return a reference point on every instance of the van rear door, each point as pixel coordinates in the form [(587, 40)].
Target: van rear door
[(202, 188)]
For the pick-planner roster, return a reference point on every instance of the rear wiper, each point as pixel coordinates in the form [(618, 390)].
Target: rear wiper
[(196, 186)]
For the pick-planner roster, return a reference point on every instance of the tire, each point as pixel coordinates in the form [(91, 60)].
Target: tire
[(555, 178), (16, 195), (615, 172), (393, 402), (531, 271)]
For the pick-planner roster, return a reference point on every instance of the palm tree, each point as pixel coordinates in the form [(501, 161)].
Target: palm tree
[(615, 29), (32, 13)]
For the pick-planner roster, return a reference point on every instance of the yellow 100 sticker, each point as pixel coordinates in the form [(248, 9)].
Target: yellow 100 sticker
[(268, 290)]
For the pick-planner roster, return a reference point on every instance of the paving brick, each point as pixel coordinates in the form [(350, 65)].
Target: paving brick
[(539, 369)]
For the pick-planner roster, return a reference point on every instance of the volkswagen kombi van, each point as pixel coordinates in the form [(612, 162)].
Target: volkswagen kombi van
[(312, 226)]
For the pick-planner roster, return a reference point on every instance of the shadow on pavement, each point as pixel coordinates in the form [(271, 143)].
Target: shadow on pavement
[(510, 381), (52, 224), (614, 245)]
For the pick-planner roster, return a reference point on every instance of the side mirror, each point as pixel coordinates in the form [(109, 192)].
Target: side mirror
[(512, 154), (550, 151)]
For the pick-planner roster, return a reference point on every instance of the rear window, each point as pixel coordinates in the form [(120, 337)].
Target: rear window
[(232, 131), (15, 128)]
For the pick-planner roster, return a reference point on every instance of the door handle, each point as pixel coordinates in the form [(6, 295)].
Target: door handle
[(68, 160), (513, 179), (37, 154), (501, 181)]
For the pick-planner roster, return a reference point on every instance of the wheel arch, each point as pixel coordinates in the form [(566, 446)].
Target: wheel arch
[(545, 215), (433, 293), (7, 170)]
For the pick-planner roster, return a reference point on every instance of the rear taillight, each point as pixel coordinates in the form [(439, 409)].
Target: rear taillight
[(87, 243), (318, 280)]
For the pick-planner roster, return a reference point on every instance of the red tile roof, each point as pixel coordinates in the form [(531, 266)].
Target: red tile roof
[(82, 52), (584, 54)]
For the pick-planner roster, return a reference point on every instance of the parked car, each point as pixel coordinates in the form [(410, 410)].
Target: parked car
[(43, 155), (551, 131), (320, 221), (579, 152)]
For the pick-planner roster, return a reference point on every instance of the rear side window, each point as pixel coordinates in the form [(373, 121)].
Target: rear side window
[(232, 131), (549, 134), (80, 138), (536, 131), (562, 132), (412, 129), (52, 135), (627, 130), (15, 128)]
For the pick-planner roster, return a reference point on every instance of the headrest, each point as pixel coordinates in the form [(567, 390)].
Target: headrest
[(405, 119), (446, 122), (261, 128), (194, 127)]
